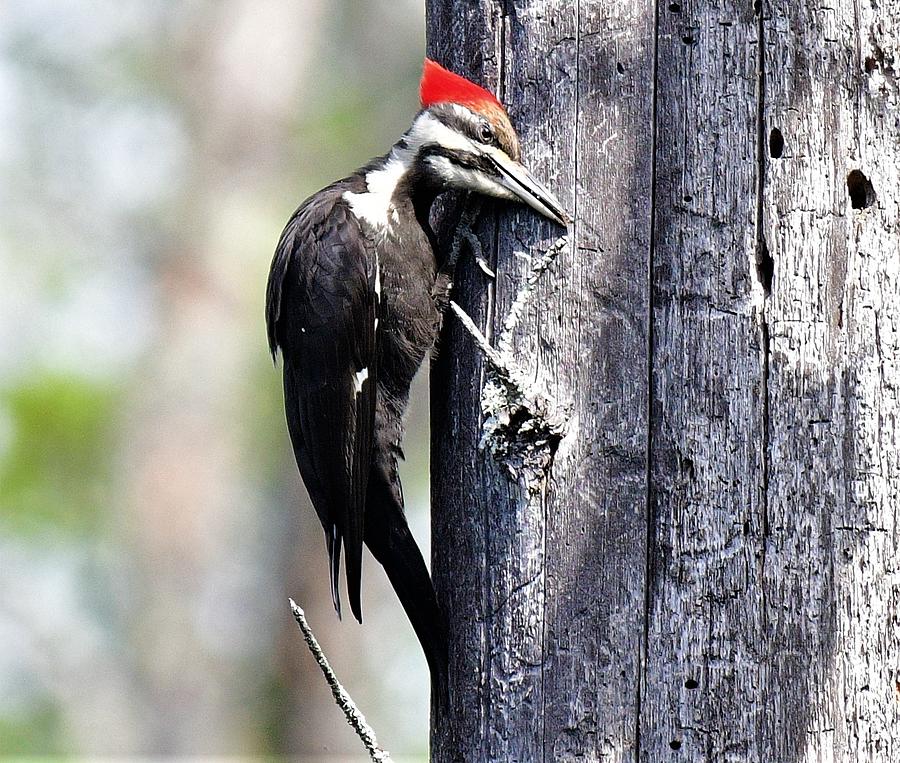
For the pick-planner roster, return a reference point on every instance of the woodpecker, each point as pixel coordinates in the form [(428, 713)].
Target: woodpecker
[(354, 302)]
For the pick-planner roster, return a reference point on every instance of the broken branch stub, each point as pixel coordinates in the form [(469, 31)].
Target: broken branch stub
[(522, 425)]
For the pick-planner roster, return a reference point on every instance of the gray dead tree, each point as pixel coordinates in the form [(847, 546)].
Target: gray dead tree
[(688, 548)]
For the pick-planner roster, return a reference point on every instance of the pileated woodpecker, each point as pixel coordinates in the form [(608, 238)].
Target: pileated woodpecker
[(354, 303)]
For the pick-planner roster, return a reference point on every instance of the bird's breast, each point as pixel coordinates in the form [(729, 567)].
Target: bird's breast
[(409, 318)]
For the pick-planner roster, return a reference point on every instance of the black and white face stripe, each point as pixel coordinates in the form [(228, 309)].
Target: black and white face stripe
[(475, 171), (442, 140), (452, 144), (477, 128), (454, 147), (447, 125)]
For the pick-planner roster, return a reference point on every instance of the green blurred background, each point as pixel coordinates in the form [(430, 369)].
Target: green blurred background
[(152, 523)]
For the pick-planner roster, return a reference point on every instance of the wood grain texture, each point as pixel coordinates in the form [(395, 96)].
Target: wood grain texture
[(711, 571), (832, 562), (705, 621)]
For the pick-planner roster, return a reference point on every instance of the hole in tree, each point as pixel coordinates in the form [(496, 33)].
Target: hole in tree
[(861, 190), (757, 6), (776, 143), (871, 65), (675, 7), (620, 67), (675, 744), (517, 419), (765, 267), (690, 684), (688, 38)]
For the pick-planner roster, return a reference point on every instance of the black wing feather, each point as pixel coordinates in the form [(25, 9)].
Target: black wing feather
[(321, 307)]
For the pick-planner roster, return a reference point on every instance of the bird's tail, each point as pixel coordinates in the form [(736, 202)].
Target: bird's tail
[(388, 537)]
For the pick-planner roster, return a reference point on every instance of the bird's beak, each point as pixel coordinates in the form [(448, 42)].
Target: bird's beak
[(519, 181)]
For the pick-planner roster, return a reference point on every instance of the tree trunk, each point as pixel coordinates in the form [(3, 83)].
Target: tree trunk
[(707, 560)]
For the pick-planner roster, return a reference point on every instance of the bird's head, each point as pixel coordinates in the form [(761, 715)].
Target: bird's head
[(463, 139)]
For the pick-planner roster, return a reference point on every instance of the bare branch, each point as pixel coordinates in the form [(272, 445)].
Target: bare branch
[(498, 361), (522, 425), (344, 701), (538, 266)]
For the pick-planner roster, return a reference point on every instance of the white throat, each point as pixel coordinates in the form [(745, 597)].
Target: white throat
[(375, 204)]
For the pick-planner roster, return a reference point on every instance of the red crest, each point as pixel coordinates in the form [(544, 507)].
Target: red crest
[(442, 86)]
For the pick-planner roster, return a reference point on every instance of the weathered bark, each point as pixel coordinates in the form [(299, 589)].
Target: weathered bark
[(710, 562)]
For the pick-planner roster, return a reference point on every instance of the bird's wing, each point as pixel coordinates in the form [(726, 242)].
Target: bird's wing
[(321, 309)]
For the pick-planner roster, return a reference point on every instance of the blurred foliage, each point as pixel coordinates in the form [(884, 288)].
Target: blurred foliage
[(150, 153), (56, 462), (37, 733)]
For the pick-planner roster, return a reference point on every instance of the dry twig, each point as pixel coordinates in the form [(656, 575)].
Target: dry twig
[(344, 701)]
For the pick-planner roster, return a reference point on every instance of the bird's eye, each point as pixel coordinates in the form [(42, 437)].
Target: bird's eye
[(485, 133)]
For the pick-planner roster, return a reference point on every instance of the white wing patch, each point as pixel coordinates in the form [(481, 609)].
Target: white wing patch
[(377, 287), (358, 378)]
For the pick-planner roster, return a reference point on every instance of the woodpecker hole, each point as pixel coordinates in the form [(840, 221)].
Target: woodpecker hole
[(861, 190), (871, 65), (675, 7), (620, 67), (757, 6), (765, 267), (675, 744), (690, 684), (686, 467), (688, 38), (776, 143)]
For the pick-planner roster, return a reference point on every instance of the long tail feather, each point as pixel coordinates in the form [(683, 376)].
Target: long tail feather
[(388, 537), (333, 541)]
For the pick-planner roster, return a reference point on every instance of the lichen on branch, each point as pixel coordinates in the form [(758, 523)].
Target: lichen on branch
[(522, 425)]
